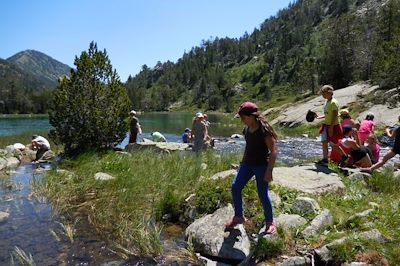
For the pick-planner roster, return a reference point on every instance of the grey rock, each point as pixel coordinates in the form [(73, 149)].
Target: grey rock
[(12, 163), (360, 215), (320, 222), (166, 147), (276, 200), (224, 174), (295, 114), (359, 176), (290, 221), (305, 205), (4, 216), (312, 179), (103, 176), (295, 261), (210, 238)]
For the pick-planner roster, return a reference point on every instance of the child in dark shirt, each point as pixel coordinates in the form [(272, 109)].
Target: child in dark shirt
[(259, 160)]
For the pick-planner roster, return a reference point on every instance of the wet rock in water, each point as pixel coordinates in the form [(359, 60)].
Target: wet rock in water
[(4, 216)]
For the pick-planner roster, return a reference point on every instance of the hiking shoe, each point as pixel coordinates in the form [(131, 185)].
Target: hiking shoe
[(344, 161), (234, 221), (322, 161), (270, 228)]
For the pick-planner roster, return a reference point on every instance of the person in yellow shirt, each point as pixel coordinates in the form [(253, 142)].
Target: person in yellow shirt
[(330, 130)]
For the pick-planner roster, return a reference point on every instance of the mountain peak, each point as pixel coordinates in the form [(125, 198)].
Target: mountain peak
[(40, 65)]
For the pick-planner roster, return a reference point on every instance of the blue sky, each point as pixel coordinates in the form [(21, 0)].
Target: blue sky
[(133, 32)]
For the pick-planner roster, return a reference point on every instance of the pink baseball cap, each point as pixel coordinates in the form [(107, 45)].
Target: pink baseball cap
[(247, 108)]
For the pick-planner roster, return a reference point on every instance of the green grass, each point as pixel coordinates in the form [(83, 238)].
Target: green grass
[(147, 185)]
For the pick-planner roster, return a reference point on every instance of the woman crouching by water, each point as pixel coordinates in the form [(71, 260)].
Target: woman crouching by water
[(258, 160)]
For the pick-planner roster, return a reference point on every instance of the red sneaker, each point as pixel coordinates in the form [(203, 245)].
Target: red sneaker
[(234, 221), (270, 228)]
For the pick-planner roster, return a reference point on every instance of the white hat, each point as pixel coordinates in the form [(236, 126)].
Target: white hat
[(199, 115), (133, 112)]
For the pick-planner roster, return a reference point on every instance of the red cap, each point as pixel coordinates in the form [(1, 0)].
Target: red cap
[(247, 108)]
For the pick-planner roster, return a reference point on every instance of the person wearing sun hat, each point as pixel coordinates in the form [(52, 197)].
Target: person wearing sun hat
[(134, 127), (258, 160), (346, 119), (199, 132)]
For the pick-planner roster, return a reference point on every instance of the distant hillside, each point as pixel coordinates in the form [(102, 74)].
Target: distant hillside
[(21, 92), (41, 66), (307, 44)]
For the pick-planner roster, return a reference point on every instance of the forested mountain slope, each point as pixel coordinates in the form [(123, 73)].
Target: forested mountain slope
[(21, 92), (312, 42), (41, 66), (27, 80)]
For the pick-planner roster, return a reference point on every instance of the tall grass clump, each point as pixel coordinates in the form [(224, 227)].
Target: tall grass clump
[(22, 257), (147, 185)]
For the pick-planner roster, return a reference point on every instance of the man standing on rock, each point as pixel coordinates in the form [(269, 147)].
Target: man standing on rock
[(330, 130)]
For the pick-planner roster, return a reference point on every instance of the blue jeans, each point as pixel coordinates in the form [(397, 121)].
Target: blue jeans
[(245, 173)]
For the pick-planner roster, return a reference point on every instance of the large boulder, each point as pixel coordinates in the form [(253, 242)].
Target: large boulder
[(312, 179), (210, 238), (157, 146), (296, 113)]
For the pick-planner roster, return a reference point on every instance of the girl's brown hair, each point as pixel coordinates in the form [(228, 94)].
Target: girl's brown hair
[(265, 126)]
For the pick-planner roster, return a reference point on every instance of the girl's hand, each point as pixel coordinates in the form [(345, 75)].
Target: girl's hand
[(268, 176)]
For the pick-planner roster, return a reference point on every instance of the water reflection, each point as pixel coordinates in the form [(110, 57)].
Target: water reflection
[(33, 227)]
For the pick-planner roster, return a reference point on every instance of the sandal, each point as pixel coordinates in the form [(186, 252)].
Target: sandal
[(234, 221)]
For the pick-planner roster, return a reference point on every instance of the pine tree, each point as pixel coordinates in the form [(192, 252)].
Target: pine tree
[(90, 107)]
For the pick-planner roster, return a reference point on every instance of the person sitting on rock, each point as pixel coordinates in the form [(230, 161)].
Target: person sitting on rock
[(373, 147), (40, 145), (359, 155), (392, 133)]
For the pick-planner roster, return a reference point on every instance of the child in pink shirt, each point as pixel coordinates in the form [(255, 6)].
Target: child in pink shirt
[(366, 128), (373, 147)]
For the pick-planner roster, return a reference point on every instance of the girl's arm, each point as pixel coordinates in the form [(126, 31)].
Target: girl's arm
[(273, 152)]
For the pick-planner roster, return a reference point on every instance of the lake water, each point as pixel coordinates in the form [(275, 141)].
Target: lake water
[(16, 125), (171, 125)]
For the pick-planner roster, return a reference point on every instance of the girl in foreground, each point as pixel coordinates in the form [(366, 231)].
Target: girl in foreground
[(259, 160)]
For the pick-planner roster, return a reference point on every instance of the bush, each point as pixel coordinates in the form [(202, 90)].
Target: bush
[(89, 108)]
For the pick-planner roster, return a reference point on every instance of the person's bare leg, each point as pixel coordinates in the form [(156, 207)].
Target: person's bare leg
[(325, 149), (385, 158), (365, 162)]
